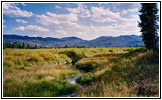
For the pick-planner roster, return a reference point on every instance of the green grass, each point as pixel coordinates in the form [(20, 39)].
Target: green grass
[(85, 78), (107, 72), (132, 74), (38, 89)]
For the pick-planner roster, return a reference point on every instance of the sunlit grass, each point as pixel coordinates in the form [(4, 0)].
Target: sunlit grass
[(125, 76), (107, 72)]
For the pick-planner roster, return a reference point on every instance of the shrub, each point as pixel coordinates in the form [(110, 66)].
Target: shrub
[(116, 68), (33, 60), (73, 55), (85, 78), (134, 52), (87, 67), (109, 76), (8, 80), (48, 56), (110, 50)]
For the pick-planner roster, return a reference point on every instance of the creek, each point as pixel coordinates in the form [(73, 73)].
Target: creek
[(72, 80)]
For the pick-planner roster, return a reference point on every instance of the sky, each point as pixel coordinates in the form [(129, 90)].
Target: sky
[(83, 20)]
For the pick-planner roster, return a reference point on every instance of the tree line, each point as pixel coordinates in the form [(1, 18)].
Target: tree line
[(18, 45), (28, 46)]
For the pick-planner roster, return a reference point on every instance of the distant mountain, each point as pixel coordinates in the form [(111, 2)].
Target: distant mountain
[(121, 41), (103, 41)]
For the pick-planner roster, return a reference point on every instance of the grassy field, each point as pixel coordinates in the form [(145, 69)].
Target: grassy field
[(106, 72)]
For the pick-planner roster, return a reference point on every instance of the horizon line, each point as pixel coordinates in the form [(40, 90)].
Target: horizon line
[(72, 36)]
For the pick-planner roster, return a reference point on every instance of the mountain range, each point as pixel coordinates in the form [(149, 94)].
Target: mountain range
[(103, 41)]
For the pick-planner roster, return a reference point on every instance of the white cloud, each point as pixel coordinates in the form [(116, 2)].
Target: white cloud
[(52, 18), (11, 10), (126, 27), (46, 20), (21, 21), (69, 24), (74, 26), (102, 3), (61, 32), (73, 10), (124, 6), (99, 14), (31, 28), (81, 10), (129, 11), (63, 17), (17, 13), (20, 28), (120, 25), (9, 6), (80, 34), (57, 7)]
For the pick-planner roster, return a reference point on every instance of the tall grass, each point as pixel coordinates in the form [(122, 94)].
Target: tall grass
[(37, 89), (43, 72), (132, 74)]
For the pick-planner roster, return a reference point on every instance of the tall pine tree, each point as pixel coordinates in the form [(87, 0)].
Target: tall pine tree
[(149, 24)]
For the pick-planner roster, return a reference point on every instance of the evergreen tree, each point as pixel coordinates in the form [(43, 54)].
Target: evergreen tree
[(149, 24), (4, 45), (20, 46), (9, 45), (15, 45), (28, 46), (35, 46), (23, 45)]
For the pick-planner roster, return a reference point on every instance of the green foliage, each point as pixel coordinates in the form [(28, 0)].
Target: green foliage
[(86, 78), (87, 67), (39, 89), (149, 24), (43, 72), (35, 59), (134, 52), (18, 45), (23, 45), (110, 50), (134, 74), (8, 80), (48, 56), (73, 55)]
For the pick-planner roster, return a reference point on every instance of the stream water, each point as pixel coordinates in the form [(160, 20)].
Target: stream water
[(72, 80)]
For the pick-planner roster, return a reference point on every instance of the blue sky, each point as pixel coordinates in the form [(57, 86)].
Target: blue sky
[(84, 20)]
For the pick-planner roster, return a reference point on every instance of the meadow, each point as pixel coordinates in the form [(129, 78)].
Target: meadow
[(105, 72)]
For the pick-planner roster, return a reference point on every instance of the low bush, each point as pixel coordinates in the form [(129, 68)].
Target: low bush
[(73, 55), (8, 80), (110, 50), (87, 67), (85, 78), (134, 52), (35, 59), (47, 56)]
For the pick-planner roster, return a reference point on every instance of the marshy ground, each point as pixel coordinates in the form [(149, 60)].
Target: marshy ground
[(82, 72)]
